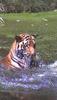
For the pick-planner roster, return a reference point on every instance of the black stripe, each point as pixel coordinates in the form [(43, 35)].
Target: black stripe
[(17, 63)]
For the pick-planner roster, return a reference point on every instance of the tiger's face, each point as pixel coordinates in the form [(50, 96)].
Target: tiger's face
[(24, 51), (25, 45)]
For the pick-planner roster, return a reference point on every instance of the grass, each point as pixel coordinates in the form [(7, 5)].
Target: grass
[(44, 24)]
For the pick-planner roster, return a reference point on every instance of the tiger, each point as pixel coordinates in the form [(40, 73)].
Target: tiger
[(22, 52)]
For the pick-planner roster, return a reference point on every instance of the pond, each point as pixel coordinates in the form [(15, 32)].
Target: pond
[(37, 83)]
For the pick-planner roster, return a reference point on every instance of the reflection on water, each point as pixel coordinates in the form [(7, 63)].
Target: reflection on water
[(38, 83)]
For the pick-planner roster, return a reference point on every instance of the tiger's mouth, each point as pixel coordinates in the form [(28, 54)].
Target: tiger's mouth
[(25, 58)]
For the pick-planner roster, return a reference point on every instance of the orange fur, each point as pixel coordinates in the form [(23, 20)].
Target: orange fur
[(6, 61)]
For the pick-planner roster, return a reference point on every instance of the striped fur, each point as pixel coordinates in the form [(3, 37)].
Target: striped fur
[(21, 53)]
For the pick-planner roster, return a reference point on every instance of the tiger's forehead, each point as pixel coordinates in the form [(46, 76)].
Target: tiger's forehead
[(23, 35), (26, 36)]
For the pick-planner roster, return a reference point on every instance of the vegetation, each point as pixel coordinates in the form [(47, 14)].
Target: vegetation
[(27, 5), (43, 24)]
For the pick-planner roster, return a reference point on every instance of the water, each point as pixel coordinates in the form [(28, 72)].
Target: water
[(37, 83), (40, 81), (29, 79)]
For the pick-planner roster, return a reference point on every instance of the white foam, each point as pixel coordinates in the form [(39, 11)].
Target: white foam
[(41, 75), (53, 64)]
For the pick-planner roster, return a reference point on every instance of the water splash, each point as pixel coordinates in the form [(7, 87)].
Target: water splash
[(44, 76)]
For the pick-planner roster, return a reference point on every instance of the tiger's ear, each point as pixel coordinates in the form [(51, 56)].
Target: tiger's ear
[(18, 38), (35, 35)]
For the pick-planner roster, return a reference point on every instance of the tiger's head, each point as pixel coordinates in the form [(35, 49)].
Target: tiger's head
[(23, 51)]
